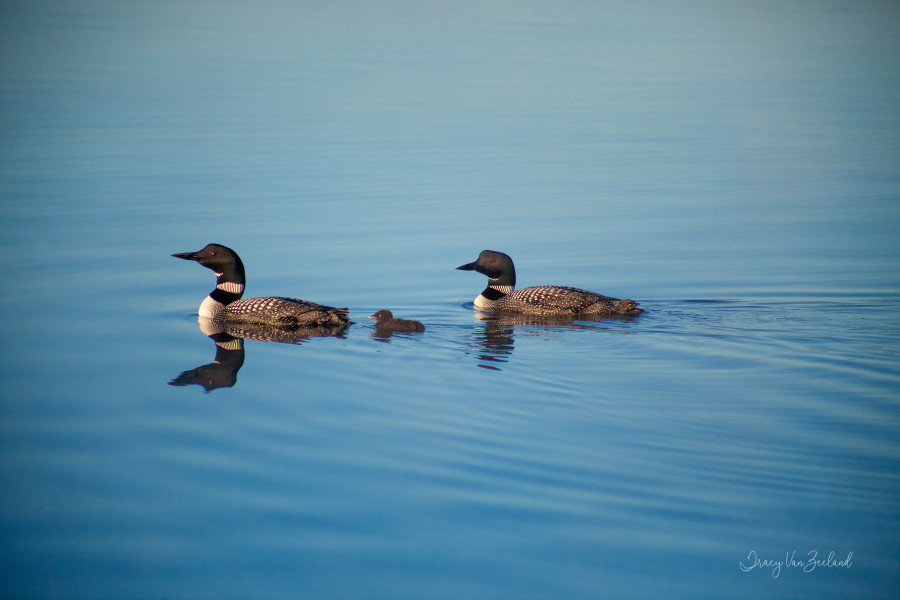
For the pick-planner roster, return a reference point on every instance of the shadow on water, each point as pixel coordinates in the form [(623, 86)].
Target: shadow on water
[(229, 343)]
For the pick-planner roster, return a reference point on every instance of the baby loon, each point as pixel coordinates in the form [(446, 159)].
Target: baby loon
[(224, 302), (545, 300), (385, 321)]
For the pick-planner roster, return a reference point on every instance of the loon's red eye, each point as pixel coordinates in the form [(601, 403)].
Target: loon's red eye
[(492, 261), (212, 253)]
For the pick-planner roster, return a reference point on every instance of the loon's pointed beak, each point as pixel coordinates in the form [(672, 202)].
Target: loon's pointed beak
[(472, 266), (186, 255)]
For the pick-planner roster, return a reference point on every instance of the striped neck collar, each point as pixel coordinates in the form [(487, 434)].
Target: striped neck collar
[(231, 287)]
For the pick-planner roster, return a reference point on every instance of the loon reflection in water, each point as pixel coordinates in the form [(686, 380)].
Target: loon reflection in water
[(229, 341), (493, 343), (222, 371)]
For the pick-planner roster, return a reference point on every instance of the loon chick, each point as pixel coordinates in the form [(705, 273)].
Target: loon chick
[(545, 300), (385, 321), (225, 302)]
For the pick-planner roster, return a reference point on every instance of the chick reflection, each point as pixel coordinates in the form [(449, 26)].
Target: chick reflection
[(229, 341)]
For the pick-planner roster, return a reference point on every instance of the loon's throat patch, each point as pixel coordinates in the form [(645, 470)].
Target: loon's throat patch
[(231, 287)]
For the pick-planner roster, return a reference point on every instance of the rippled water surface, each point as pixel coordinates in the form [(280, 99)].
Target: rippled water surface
[(734, 168)]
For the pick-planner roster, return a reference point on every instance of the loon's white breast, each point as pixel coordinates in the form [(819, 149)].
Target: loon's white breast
[(483, 302), (210, 308)]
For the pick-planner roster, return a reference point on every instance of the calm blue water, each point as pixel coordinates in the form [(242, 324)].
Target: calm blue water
[(732, 166)]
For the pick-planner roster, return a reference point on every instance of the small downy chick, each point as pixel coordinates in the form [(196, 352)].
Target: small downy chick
[(385, 321)]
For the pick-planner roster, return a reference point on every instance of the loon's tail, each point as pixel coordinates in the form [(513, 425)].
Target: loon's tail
[(627, 307)]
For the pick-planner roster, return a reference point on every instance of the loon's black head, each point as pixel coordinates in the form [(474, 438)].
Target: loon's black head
[(221, 259), (496, 265)]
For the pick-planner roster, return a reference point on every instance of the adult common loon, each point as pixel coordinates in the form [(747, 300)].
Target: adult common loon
[(385, 321), (545, 300), (225, 302)]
